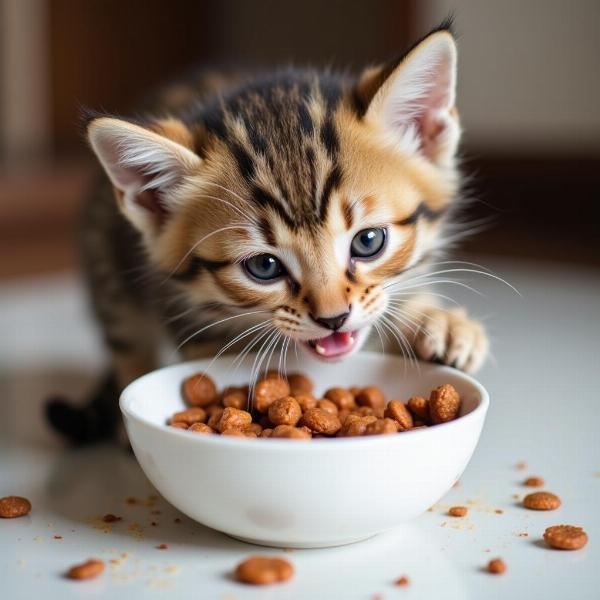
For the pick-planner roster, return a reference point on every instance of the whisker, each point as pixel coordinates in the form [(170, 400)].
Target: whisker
[(193, 335)]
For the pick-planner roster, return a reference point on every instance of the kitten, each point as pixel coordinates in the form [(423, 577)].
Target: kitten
[(298, 207)]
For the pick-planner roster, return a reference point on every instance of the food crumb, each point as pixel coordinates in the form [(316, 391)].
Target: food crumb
[(499, 511), (523, 534), (521, 466), (404, 580), (177, 520), (162, 547), (534, 482), (154, 523), (58, 537), (131, 500), (89, 569), (496, 566), (110, 518), (458, 511)]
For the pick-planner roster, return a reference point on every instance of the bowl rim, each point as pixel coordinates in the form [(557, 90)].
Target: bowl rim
[(479, 412)]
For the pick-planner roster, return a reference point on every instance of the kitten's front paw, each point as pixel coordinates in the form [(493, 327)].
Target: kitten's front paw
[(450, 336)]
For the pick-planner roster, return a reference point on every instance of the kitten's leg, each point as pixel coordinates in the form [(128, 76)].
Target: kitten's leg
[(446, 335)]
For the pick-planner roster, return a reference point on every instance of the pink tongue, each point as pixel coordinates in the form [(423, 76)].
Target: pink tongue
[(337, 343)]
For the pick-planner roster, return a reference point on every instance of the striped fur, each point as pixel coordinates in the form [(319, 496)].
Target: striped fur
[(293, 164)]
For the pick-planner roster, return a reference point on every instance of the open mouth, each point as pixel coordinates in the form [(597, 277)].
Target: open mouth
[(336, 345)]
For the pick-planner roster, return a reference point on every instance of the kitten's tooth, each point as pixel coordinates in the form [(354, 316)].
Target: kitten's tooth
[(319, 349)]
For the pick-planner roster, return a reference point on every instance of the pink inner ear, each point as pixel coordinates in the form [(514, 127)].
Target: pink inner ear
[(152, 202)]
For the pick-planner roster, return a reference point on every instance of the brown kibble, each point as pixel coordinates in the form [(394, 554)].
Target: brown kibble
[(534, 482), (458, 511), (342, 398), (355, 425), (328, 405), (162, 547), (264, 570), (397, 410), (404, 580), (370, 396), (566, 537), (285, 411), (12, 507), (87, 570), (200, 428), (234, 418), (236, 432), (266, 432), (288, 431), (342, 414), (254, 428), (541, 501), (199, 390), (496, 566), (363, 411), (300, 384), (179, 425), (236, 398), (110, 518), (306, 401), (320, 421), (444, 404), (419, 407), (189, 416), (269, 390), (381, 427), (214, 416)]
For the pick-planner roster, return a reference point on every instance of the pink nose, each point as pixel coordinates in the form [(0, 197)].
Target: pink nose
[(333, 323)]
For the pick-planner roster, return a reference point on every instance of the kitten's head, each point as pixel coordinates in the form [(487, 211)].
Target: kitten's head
[(302, 195)]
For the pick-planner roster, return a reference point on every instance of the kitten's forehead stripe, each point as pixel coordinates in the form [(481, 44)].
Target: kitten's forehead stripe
[(282, 134)]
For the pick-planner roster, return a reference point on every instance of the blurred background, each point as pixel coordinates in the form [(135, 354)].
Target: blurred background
[(529, 97)]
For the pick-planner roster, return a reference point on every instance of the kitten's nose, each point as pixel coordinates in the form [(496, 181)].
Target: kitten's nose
[(333, 323)]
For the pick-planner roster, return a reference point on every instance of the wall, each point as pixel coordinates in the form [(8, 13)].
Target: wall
[(529, 74)]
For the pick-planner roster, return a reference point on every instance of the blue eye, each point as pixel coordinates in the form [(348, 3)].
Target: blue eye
[(264, 267), (368, 243)]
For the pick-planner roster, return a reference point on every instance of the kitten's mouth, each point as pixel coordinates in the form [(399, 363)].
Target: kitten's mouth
[(336, 345)]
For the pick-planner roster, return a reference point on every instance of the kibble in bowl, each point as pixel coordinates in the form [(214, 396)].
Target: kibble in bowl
[(304, 479)]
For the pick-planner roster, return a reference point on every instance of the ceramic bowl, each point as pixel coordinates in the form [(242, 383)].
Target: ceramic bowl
[(303, 494)]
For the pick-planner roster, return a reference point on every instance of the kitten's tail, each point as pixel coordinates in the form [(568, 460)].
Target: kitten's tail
[(94, 421)]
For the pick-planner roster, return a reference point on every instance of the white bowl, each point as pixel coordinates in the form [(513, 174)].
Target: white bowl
[(304, 494)]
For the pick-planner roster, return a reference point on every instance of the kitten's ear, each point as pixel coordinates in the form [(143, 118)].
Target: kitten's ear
[(412, 100), (144, 167)]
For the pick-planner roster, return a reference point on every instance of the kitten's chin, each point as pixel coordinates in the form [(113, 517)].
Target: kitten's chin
[(336, 346)]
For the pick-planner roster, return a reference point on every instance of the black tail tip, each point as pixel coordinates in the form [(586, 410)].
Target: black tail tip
[(67, 420)]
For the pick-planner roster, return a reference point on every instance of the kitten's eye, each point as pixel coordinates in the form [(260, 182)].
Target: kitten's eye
[(264, 267), (368, 243)]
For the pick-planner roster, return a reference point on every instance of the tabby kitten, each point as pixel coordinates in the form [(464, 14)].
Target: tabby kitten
[(300, 208)]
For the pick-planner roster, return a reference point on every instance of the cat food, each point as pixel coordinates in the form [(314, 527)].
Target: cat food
[(534, 482), (541, 501), (14, 506), (264, 570), (565, 537), (88, 570), (444, 404), (496, 566), (458, 511), (287, 408), (199, 390)]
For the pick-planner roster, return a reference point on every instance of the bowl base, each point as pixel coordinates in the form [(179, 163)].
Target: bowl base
[(304, 545)]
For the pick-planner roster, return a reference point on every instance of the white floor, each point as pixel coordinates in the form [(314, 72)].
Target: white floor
[(545, 410)]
